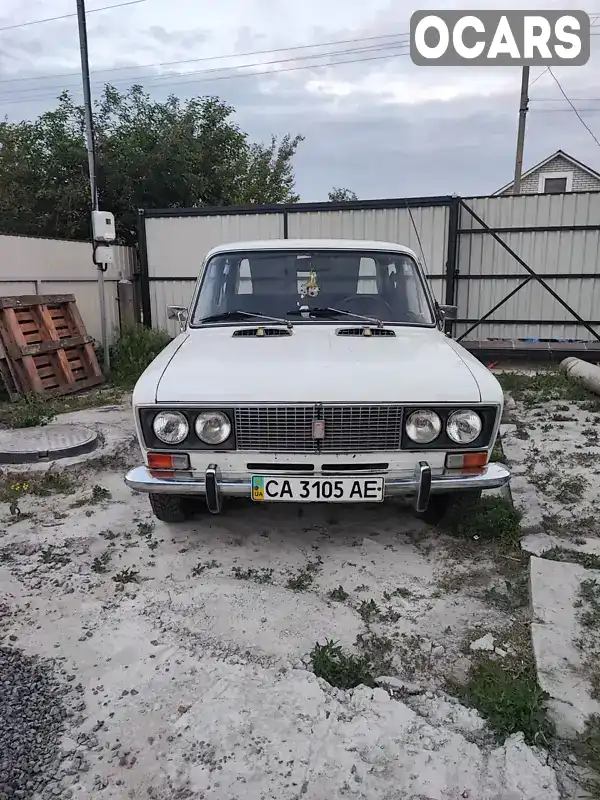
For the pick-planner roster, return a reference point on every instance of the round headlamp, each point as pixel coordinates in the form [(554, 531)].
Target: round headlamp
[(463, 427), (422, 427), (171, 427), (213, 427)]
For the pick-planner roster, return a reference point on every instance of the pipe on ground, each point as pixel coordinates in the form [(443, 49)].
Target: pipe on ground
[(582, 372)]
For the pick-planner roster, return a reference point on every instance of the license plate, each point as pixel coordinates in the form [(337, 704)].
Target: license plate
[(316, 490)]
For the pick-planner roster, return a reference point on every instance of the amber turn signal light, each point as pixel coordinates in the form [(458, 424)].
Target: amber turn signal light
[(474, 461), (168, 461)]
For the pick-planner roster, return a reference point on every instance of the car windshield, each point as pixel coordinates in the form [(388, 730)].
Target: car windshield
[(334, 284)]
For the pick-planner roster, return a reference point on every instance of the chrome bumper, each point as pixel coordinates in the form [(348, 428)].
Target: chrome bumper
[(420, 484)]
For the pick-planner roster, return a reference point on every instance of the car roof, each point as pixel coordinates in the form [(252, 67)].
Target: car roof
[(312, 244)]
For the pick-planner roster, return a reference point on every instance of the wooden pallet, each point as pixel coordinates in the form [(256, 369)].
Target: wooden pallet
[(45, 348)]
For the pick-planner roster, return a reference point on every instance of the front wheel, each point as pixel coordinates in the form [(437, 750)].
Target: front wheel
[(171, 507), (442, 506)]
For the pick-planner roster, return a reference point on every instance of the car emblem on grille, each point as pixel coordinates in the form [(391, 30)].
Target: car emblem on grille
[(318, 429)]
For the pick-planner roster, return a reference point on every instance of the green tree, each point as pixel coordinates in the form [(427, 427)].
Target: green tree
[(150, 154), (341, 196)]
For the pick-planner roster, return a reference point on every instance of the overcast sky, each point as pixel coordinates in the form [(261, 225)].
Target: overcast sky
[(379, 126)]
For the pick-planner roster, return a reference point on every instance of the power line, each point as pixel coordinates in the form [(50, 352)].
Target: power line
[(579, 117), (67, 16), (160, 80), (210, 58), (243, 74)]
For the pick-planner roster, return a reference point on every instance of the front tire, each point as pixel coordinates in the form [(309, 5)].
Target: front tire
[(170, 507), (445, 505)]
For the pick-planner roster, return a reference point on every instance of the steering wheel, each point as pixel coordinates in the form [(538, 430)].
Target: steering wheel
[(364, 298)]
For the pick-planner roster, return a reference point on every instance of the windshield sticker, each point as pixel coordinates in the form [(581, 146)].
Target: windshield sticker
[(311, 287)]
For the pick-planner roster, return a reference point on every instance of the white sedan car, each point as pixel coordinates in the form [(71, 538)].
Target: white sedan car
[(314, 371)]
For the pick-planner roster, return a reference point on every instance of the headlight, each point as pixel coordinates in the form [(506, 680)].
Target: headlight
[(423, 426), (213, 427), (463, 427), (171, 427)]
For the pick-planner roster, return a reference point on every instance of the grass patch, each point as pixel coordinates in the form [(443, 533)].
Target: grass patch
[(491, 519), (127, 575), (498, 453), (544, 387), (51, 556), (369, 610), (256, 575), (40, 484), (202, 567), (587, 749), (304, 578), (137, 347), (510, 700), (339, 668), (589, 599), (587, 560), (98, 495), (100, 563), (401, 591), (30, 411), (340, 595)]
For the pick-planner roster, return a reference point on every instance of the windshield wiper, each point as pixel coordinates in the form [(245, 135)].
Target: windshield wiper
[(329, 312), (225, 315)]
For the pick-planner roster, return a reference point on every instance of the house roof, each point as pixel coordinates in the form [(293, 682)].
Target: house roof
[(559, 153)]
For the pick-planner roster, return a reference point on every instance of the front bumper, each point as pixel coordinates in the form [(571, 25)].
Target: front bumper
[(420, 484)]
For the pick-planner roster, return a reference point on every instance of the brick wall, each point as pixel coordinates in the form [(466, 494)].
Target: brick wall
[(582, 180)]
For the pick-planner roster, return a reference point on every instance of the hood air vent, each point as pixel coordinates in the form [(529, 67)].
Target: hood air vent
[(365, 331), (263, 332)]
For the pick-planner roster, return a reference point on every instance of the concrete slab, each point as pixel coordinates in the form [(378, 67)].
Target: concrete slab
[(555, 628)]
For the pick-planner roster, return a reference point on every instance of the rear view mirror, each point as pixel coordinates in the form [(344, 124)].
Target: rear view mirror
[(180, 313), (448, 312)]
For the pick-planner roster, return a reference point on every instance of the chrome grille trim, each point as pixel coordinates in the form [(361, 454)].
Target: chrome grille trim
[(348, 428)]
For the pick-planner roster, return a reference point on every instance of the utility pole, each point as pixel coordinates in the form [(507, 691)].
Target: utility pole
[(523, 108), (91, 153)]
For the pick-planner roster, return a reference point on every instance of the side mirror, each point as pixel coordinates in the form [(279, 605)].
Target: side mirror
[(180, 313), (448, 312)]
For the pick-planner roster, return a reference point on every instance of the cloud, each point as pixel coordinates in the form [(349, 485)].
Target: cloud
[(380, 126)]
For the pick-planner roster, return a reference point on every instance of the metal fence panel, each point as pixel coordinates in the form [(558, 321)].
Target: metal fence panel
[(558, 236), (176, 245), (30, 265)]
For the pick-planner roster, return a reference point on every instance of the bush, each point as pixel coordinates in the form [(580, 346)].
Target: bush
[(137, 347), (30, 411)]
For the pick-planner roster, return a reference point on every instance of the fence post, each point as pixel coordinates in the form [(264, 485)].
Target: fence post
[(127, 315), (452, 258)]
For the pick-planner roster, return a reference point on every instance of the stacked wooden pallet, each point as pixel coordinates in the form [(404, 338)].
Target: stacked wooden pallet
[(44, 347)]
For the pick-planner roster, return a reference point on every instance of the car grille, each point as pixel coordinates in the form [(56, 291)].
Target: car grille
[(289, 429)]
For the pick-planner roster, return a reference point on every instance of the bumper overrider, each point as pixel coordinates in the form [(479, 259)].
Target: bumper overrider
[(421, 484)]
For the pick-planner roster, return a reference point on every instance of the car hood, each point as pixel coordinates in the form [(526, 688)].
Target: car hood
[(314, 364)]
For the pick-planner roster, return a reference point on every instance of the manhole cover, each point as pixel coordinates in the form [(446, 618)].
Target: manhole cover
[(49, 442)]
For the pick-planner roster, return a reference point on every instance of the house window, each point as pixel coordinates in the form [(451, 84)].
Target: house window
[(555, 182)]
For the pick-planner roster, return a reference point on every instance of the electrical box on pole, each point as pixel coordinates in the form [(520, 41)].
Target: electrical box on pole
[(103, 226)]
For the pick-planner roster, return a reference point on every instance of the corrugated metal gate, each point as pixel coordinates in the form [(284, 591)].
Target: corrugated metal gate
[(476, 251)]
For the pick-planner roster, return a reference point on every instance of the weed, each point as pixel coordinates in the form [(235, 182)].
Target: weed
[(16, 490), (589, 596), (510, 700), (401, 591), (100, 563), (556, 417), (137, 347), (545, 386), (30, 411), (369, 610), (587, 748), (304, 578), (498, 452), (341, 669), (40, 484), (570, 490), (492, 518), (516, 594), (50, 556), (127, 575), (202, 567), (99, 495), (256, 575), (145, 528), (339, 594), (587, 560), (377, 650)]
